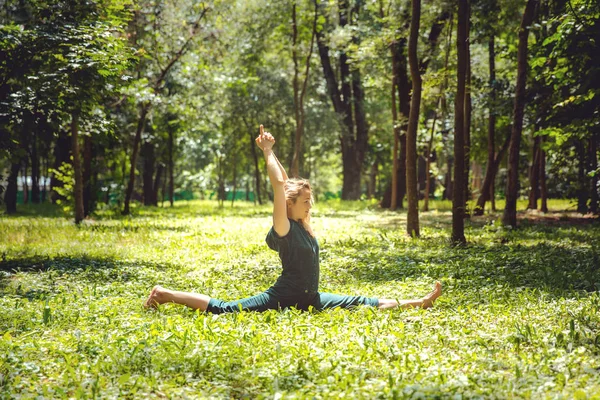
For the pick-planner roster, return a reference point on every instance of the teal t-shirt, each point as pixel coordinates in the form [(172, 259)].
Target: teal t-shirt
[(299, 254)]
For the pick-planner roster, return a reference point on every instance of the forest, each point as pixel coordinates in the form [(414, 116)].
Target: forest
[(106, 104), (445, 141)]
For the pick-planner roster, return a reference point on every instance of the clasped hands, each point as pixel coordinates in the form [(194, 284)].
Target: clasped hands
[(265, 140)]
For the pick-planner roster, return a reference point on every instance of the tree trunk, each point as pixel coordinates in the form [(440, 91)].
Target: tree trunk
[(582, 194), (360, 144), (149, 158), (403, 87), (134, 153), (412, 217), (428, 165), (534, 174), (458, 201), (468, 110), (593, 158), (400, 72), (543, 189), (396, 132), (78, 188), (512, 188), (87, 176), (10, 195), (489, 173), (170, 166), (353, 142)]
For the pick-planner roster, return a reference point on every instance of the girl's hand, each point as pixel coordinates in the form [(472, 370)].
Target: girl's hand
[(265, 140)]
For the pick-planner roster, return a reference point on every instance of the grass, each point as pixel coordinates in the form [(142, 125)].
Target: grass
[(518, 318)]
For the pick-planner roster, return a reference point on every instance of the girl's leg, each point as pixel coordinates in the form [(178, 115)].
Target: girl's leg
[(202, 302), (425, 302), (160, 295)]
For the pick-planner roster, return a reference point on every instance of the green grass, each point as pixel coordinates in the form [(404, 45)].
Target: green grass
[(518, 318)]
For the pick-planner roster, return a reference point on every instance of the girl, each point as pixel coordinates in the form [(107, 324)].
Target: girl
[(293, 238)]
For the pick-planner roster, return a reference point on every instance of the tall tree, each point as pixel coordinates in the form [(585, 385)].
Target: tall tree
[(348, 104), (458, 200), (412, 218), (512, 187)]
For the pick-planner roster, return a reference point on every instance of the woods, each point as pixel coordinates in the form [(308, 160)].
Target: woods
[(449, 145), (160, 100)]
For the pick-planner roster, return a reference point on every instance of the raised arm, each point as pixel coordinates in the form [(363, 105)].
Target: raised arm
[(277, 176)]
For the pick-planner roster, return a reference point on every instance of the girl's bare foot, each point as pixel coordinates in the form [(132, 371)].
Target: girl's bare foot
[(156, 297), (432, 296)]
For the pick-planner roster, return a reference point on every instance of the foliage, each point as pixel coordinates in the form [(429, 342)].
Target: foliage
[(518, 317), (66, 176)]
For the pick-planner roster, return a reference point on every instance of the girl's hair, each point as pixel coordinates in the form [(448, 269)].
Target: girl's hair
[(294, 186)]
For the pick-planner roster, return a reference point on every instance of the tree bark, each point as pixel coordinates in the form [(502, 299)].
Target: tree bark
[(428, 165), (468, 109), (458, 201), (10, 195), (534, 174), (78, 188), (512, 188), (582, 193), (543, 189), (396, 131), (412, 218)]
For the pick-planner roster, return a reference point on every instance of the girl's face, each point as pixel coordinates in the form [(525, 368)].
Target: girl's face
[(301, 208)]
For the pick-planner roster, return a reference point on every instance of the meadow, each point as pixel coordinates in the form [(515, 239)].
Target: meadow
[(518, 317)]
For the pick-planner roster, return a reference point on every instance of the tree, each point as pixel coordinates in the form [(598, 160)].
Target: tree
[(348, 104), (458, 199), (510, 211), (412, 219)]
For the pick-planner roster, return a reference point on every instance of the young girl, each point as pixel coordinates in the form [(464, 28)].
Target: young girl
[(293, 238)]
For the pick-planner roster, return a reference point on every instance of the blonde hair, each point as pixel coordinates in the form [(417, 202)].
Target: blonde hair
[(294, 186)]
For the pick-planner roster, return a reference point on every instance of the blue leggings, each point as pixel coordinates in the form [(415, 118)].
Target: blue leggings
[(269, 301)]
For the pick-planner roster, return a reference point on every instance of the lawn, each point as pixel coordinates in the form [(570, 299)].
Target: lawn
[(518, 317)]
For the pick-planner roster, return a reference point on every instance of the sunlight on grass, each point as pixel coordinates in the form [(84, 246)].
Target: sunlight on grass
[(518, 317)]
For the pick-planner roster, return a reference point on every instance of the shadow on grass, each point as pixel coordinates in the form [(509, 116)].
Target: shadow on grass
[(552, 266), (78, 269)]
